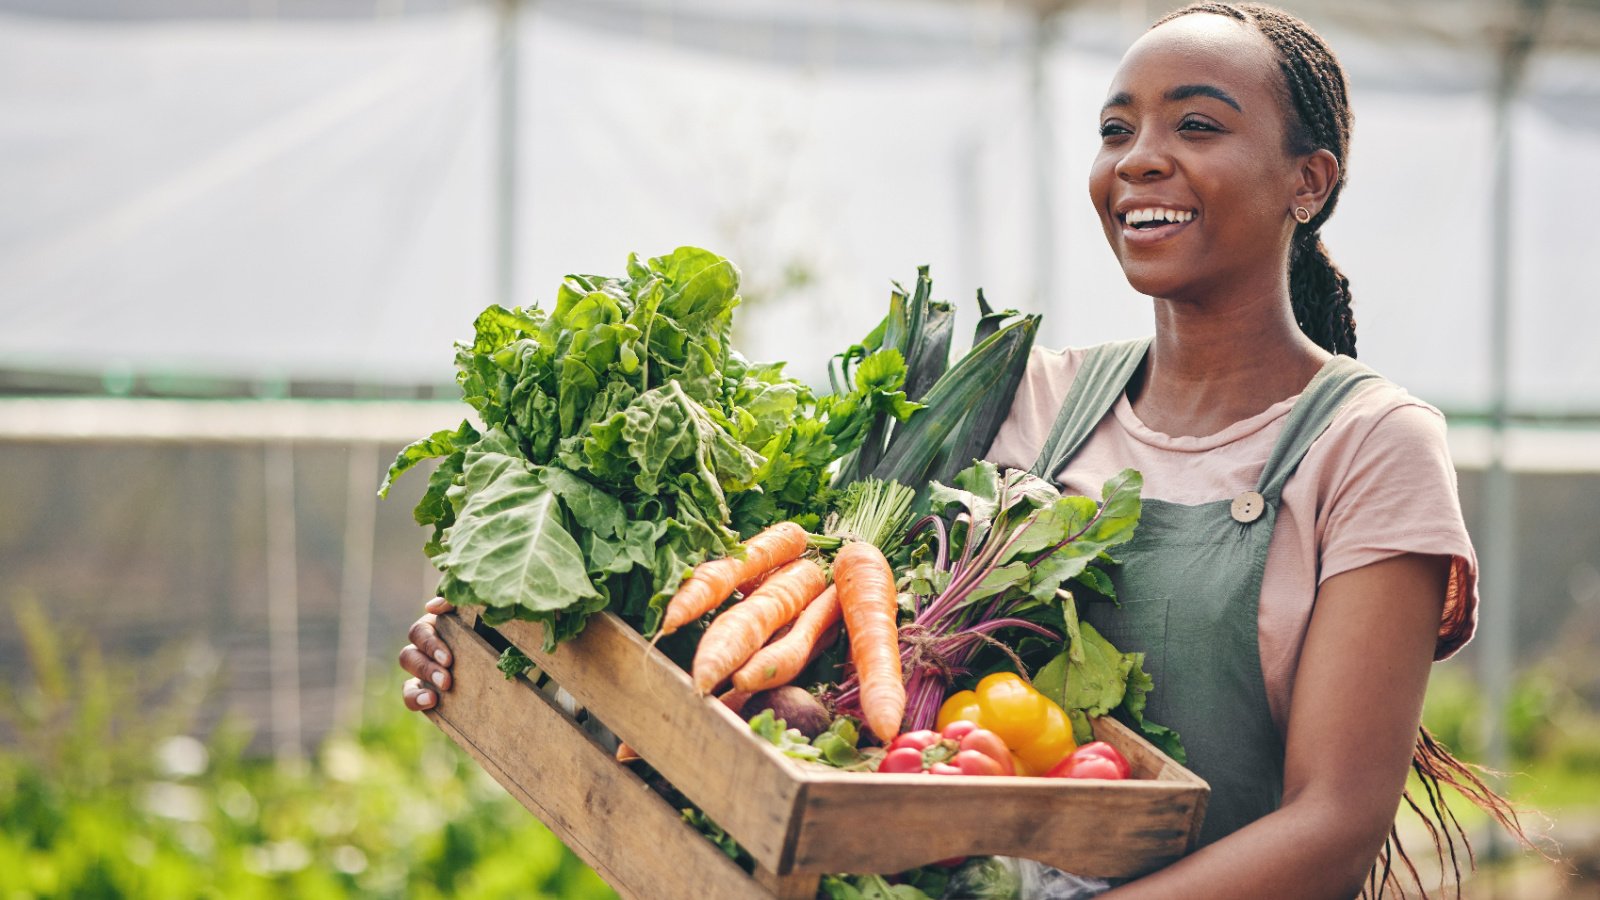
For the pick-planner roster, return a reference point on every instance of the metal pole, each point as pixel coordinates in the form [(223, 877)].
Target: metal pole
[(506, 121), (355, 591), (1499, 494), (1045, 245), (283, 607)]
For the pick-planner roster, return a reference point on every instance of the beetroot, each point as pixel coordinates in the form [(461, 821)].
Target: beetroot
[(794, 705)]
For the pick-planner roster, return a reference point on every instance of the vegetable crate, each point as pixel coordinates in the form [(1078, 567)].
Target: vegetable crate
[(796, 819)]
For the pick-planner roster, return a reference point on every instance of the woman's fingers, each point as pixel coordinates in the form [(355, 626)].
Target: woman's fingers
[(418, 697), (427, 659), (426, 638), (424, 669)]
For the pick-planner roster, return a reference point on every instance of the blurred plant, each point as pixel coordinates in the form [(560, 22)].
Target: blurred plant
[(1552, 729), (104, 794)]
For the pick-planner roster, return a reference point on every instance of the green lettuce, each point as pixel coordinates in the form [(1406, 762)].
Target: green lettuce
[(620, 441)]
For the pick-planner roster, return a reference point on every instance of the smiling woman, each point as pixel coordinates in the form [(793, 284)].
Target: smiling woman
[(1301, 558)]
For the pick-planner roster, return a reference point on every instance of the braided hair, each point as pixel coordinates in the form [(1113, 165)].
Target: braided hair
[(1319, 117)]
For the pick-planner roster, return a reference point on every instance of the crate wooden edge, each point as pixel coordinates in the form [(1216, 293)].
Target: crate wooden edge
[(1131, 827), (582, 810), (649, 702), (799, 840)]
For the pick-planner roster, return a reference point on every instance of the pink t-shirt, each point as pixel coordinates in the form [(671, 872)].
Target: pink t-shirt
[(1378, 483)]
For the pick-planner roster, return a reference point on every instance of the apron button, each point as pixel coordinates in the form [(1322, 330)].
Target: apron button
[(1248, 507)]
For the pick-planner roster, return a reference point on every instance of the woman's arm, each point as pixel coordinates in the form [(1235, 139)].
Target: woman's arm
[(1356, 708)]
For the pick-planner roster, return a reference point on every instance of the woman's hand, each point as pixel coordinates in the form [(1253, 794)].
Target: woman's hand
[(427, 659)]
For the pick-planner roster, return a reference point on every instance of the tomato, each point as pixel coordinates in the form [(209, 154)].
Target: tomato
[(959, 729), (1103, 749), (1011, 708), (921, 740), (956, 707), (963, 749), (976, 762), (1087, 767), (1053, 741), (989, 744), (1095, 760), (905, 760)]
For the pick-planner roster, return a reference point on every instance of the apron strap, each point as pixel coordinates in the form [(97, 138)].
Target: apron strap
[(1339, 379), (1100, 381)]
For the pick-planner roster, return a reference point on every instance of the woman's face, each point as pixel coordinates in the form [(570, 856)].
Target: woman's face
[(1193, 183)]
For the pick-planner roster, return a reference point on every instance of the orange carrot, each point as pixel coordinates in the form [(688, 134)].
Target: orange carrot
[(714, 580), (867, 597), (780, 661), (735, 636), (747, 588)]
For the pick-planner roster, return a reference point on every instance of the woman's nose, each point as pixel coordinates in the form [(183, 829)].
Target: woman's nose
[(1144, 159)]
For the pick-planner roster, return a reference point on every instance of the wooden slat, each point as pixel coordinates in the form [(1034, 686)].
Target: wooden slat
[(741, 782), (1099, 829), (600, 809), (794, 886)]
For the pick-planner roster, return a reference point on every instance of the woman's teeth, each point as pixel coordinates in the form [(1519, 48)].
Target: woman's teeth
[(1155, 216)]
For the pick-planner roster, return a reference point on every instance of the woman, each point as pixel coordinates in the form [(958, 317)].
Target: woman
[(1301, 560)]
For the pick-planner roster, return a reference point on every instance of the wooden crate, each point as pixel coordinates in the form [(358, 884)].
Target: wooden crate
[(798, 820)]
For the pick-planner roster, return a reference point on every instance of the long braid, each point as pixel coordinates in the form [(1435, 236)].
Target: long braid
[(1319, 98), (1320, 293)]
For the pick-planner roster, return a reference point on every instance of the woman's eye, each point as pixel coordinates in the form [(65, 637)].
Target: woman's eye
[(1108, 129), (1196, 125)]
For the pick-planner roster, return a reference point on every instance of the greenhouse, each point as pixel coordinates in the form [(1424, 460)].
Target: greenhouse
[(240, 240)]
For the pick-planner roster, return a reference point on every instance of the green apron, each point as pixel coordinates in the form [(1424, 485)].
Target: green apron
[(1189, 586)]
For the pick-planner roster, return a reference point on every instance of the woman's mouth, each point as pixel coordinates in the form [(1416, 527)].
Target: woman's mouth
[(1151, 225)]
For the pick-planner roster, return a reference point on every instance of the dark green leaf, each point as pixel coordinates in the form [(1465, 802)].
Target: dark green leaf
[(513, 662)]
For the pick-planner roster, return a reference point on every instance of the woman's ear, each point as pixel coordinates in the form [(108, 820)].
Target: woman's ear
[(1318, 173)]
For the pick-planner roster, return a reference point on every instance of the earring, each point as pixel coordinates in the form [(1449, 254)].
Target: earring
[(1302, 215)]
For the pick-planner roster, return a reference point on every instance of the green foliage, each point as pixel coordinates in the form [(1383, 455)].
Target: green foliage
[(925, 883), (623, 442), (1552, 727), (104, 794), (513, 662), (834, 747)]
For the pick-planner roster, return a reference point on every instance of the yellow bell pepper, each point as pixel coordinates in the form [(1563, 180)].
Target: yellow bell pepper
[(1035, 729), (960, 706)]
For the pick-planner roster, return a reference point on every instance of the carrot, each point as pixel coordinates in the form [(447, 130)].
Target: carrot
[(867, 598), (735, 636), (714, 580), (780, 661), (746, 588)]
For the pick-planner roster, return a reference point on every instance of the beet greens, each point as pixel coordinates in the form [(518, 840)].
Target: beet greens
[(993, 555)]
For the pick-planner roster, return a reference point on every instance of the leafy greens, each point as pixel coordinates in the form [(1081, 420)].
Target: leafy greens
[(621, 441)]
